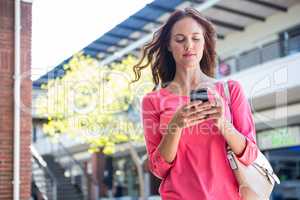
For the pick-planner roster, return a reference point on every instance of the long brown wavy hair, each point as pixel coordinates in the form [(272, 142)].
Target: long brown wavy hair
[(161, 60)]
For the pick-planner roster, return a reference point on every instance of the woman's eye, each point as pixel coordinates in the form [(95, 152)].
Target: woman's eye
[(180, 40)]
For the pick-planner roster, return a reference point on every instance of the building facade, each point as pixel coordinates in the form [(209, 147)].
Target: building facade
[(258, 45), (7, 52)]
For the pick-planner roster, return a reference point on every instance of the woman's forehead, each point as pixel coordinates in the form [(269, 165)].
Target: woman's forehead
[(186, 26)]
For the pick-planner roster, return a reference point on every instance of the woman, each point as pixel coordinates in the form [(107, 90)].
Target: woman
[(186, 141)]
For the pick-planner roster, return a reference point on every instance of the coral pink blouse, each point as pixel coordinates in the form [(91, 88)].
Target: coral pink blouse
[(200, 169)]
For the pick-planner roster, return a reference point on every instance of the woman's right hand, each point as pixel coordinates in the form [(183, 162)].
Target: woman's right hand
[(191, 114), (187, 115)]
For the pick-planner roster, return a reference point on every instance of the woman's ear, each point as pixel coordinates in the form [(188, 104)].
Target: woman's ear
[(169, 48)]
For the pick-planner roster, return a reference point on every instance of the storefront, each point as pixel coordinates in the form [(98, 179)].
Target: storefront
[(282, 147)]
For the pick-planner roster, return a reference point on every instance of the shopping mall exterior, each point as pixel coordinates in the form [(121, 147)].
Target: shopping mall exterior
[(258, 45)]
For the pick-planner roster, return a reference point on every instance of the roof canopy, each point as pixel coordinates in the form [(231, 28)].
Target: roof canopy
[(228, 16)]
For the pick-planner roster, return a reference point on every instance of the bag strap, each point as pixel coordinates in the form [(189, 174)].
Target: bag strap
[(228, 100), (227, 97), (226, 90)]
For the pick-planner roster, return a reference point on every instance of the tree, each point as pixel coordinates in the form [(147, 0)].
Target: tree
[(96, 104)]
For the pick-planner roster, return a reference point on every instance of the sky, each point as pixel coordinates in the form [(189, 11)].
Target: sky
[(61, 28)]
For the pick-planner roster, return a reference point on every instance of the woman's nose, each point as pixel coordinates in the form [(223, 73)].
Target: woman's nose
[(188, 45)]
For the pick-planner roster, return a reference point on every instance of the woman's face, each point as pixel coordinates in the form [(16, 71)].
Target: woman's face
[(187, 42)]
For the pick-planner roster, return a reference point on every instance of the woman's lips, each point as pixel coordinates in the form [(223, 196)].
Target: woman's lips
[(188, 55)]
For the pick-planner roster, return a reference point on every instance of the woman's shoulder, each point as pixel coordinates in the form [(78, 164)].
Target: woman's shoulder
[(234, 87), (156, 94), (152, 94), (232, 84), (161, 98), (150, 99)]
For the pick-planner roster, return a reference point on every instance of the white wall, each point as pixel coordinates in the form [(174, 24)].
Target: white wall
[(258, 33), (269, 77)]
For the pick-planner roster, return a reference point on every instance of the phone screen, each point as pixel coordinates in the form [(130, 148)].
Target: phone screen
[(200, 94)]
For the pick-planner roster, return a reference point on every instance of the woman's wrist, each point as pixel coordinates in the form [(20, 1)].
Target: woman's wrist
[(173, 128), (226, 127)]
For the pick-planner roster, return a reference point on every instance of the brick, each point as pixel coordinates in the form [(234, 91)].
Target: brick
[(6, 99), (6, 61), (6, 24), (4, 187), (6, 9), (26, 18), (6, 43), (6, 127)]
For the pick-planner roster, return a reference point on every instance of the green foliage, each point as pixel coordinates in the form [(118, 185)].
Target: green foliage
[(91, 102)]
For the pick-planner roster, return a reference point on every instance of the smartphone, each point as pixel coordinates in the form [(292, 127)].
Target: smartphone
[(200, 94)]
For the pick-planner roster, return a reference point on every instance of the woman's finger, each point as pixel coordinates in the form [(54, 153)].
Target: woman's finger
[(205, 111), (196, 116), (201, 107), (210, 111), (196, 121), (186, 108), (214, 116), (193, 104), (217, 98)]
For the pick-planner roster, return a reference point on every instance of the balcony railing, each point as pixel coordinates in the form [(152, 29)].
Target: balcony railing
[(259, 55)]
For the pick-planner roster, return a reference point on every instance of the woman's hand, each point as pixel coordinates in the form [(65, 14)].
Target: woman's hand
[(190, 114), (217, 112)]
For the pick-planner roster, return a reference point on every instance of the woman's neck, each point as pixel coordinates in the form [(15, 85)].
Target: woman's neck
[(186, 80)]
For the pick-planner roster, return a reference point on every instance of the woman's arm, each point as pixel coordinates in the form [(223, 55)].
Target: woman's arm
[(162, 136), (236, 140), (185, 116), (240, 134), (153, 137), (169, 144)]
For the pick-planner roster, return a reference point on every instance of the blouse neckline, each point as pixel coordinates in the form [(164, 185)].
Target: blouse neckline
[(168, 92)]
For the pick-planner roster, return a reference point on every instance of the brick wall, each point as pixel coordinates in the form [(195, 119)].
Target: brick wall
[(6, 99)]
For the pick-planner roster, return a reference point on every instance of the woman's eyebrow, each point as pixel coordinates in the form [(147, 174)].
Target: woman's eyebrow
[(181, 34)]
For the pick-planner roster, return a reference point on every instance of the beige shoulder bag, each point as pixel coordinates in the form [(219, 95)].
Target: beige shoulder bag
[(256, 180)]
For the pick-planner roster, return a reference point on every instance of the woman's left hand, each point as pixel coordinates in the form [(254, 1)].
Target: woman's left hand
[(217, 112)]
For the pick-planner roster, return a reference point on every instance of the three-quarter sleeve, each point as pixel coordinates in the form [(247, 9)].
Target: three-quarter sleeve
[(151, 125), (243, 121)]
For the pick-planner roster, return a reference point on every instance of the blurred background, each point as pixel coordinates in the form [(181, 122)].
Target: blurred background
[(80, 135)]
